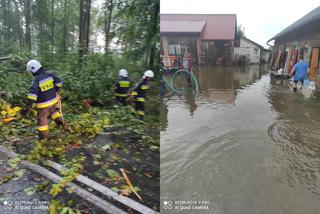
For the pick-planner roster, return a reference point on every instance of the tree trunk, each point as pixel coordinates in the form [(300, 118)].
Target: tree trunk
[(27, 24), (88, 24), (154, 31), (18, 25), (52, 26), (5, 20), (65, 27), (108, 16), (84, 29)]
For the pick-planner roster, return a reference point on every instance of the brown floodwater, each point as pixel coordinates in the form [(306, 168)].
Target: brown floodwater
[(245, 144)]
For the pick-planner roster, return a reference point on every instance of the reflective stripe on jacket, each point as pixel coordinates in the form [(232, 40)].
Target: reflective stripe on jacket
[(122, 87), (44, 88), (140, 90)]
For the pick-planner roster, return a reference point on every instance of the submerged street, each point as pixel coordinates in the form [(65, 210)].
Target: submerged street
[(246, 144)]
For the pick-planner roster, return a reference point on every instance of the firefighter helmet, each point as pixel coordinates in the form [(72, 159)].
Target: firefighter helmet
[(148, 73), (123, 73), (33, 65)]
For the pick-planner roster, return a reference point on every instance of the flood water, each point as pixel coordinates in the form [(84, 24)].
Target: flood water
[(245, 144)]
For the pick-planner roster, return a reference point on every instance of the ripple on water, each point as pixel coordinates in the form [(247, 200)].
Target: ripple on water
[(297, 150)]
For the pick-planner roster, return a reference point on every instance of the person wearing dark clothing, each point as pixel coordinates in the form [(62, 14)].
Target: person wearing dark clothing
[(187, 65), (139, 92), (43, 92), (122, 87)]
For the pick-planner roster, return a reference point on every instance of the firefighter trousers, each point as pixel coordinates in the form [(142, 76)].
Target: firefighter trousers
[(43, 115), (122, 100), (139, 107)]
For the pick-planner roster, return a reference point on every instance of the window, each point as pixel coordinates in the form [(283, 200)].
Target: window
[(255, 51), (172, 50), (178, 49), (175, 49)]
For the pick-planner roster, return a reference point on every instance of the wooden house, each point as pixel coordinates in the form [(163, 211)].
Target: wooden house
[(300, 38), (209, 38)]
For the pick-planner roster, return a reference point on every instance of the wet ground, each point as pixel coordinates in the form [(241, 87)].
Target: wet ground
[(27, 192), (13, 198), (246, 144), (105, 155), (127, 151)]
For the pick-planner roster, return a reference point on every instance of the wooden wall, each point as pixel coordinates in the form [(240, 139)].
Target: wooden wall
[(303, 39), (202, 51)]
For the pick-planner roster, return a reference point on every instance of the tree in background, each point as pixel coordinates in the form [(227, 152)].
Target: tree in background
[(139, 29), (54, 29), (84, 27)]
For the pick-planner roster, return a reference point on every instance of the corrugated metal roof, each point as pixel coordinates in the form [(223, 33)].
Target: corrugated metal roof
[(181, 26), (218, 26), (310, 17)]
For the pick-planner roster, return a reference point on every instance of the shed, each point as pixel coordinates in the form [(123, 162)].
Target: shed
[(208, 37), (248, 51)]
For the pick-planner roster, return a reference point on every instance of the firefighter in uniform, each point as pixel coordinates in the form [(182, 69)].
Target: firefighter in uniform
[(139, 92), (43, 92), (122, 87)]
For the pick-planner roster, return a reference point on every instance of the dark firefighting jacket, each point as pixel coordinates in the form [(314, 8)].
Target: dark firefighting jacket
[(139, 91), (122, 87), (44, 89)]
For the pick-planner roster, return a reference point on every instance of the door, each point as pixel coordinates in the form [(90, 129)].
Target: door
[(314, 63), (278, 60), (293, 60)]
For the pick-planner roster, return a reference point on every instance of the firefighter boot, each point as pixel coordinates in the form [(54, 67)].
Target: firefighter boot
[(61, 123), (44, 134)]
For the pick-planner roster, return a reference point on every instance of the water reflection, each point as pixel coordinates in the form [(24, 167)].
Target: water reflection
[(220, 84), (163, 115), (191, 101), (248, 145)]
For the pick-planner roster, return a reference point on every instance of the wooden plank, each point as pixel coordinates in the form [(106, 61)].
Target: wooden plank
[(198, 51), (278, 59), (4, 58), (106, 191), (165, 46), (106, 206), (314, 63)]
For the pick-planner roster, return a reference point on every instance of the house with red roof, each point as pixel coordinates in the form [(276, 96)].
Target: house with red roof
[(209, 38)]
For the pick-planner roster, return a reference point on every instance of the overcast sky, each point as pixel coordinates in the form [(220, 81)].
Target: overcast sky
[(261, 19)]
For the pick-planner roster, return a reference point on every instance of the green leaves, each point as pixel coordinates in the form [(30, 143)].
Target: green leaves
[(113, 174), (57, 208), (6, 179), (73, 169), (56, 188), (89, 124), (106, 147), (30, 191)]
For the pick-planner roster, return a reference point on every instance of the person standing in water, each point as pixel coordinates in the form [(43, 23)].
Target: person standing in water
[(299, 71)]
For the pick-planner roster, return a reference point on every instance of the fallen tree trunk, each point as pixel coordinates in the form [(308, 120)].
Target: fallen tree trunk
[(106, 206), (5, 58), (106, 191)]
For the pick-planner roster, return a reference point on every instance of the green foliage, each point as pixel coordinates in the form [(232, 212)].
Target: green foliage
[(54, 42), (6, 179), (124, 115), (73, 169), (57, 208), (139, 29), (13, 80)]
